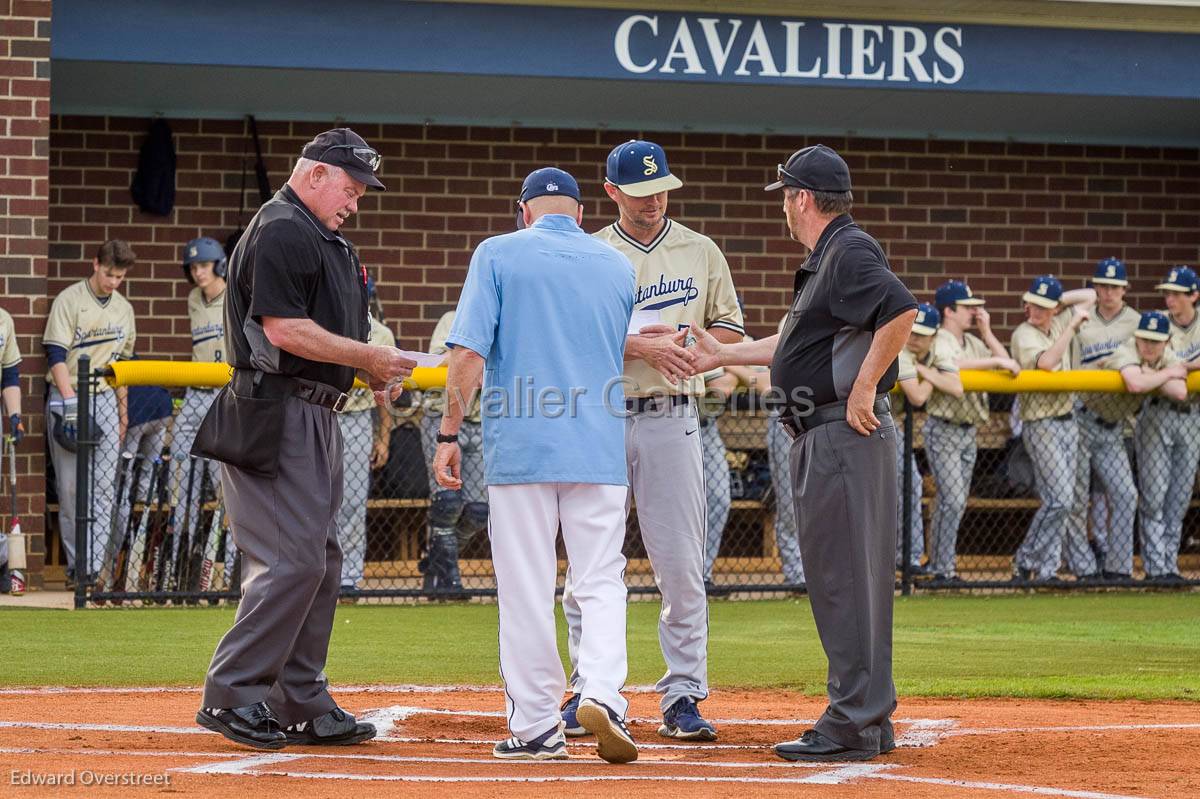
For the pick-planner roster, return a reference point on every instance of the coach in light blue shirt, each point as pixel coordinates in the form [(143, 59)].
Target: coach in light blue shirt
[(541, 324)]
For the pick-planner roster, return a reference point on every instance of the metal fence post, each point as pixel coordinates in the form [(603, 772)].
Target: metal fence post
[(83, 463), (906, 499)]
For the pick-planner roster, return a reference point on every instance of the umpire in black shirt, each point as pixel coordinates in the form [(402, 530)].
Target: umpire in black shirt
[(832, 367), (295, 330)]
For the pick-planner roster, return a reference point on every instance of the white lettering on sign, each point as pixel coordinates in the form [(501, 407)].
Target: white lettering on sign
[(777, 49)]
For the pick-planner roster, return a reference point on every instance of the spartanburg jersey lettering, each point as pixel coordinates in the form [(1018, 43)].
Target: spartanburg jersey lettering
[(9, 354), (82, 325), (1186, 340), (1096, 341), (684, 276), (208, 326)]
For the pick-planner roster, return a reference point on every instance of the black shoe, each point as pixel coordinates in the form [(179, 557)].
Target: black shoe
[(1022, 576), (1093, 577), (1114, 576), (919, 570), (941, 581), (335, 728), (1165, 579), (252, 725), (812, 746)]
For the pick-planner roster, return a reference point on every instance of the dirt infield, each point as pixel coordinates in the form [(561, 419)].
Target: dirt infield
[(143, 742)]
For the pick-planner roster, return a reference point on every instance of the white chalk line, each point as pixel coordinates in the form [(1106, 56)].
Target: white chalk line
[(241, 765)]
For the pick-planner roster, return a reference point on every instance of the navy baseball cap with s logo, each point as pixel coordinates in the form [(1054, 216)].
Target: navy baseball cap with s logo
[(639, 168)]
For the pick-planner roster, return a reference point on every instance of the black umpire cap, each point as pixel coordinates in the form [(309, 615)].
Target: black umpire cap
[(344, 148), (816, 168)]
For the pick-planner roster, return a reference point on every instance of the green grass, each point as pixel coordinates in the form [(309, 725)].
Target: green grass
[(1137, 646)]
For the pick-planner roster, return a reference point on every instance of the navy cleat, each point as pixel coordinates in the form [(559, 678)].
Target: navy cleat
[(614, 744), (571, 726), (549, 746), (683, 720)]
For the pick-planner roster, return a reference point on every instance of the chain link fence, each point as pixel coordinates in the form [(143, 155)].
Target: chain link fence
[(1062, 503)]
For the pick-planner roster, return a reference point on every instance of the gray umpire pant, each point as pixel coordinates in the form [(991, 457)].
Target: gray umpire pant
[(716, 491), (106, 423), (666, 475), (779, 443), (845, 495), (1053, 446), (1168, 447), (358, 437), (188, 508), (950, 449), (1102, 453), (917, 527), (286, 531)]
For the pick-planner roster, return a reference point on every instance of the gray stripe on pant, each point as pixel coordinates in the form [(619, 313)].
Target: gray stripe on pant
[(1053, 447), (779, 443), (951, 450), (1102, 453)]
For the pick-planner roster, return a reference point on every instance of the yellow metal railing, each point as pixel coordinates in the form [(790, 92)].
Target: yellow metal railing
[(215, 375)]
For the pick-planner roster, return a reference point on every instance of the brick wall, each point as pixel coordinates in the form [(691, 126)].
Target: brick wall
[(24, 191), (994, 213)]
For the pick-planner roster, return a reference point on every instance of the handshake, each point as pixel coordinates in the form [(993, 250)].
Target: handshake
[(667, 350)]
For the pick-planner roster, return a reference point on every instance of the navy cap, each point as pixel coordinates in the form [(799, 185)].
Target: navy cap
[(1045, 292), (549, 182), (344, 148), (816, 168), (1180, 278), (927, 321), (954, 292), (1154, 326), (203, 249), (1111, 272), (639, 168)]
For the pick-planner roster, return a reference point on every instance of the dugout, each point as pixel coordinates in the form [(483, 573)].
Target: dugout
[(990, 142)]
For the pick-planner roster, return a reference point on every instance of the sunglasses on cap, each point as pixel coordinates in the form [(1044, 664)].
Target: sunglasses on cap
[(781, 173), (366, 155)]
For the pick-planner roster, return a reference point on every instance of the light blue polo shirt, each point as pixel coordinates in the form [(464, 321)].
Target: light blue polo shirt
[(548, 308)]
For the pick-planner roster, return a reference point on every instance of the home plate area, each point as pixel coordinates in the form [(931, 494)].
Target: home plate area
[(109, 742)]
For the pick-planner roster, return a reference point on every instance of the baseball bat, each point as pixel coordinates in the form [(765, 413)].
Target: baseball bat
[(160, 541), (210, 547), (16, 541), (183, 552), (137, 546), (115, 541), (119, 569)]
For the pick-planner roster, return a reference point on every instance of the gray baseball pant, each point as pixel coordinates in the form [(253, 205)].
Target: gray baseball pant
[(918, 521), (145, 440), (470, 442), (778, 445), (1053, 447), (106, 421), (358, 438), (666, 475), (286, 531), (1102, 453), (1168, 447), (187, 422), (716, 491), (845, 496), (951, 451)]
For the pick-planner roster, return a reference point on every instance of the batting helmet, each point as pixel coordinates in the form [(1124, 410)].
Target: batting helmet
[(203, 249)]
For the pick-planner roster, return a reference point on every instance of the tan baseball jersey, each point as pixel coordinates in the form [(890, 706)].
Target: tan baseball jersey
[(1028, 344), (1186, 340), (435, 401), (9, 354), (208, 326), (942, 355), (82, 324), (1095, 342), (972, 406), (363, 399), (684, 276), (1125, 405)]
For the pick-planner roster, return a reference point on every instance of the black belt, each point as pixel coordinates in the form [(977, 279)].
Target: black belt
[(643, 404), (943, 420), (248, 383), (1066, 417), (796, 425), (1098, 419), (1162, 402)]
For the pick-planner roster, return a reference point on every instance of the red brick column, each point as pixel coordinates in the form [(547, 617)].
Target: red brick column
[(24, 205)]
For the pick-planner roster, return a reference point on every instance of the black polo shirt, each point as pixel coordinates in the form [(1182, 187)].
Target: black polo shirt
[(289, 265), (845, 291)]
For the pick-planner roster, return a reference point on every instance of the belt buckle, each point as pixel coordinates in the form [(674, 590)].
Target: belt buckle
[(340, 404)]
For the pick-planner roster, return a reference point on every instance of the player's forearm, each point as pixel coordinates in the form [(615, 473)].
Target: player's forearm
[(1052, 358), (945, 382), (725, 335), (993, 344), (885, 346), (12, 400), (1175, 389), (980, 363), (916, 391), (62, 380), (749, 353), (1139, 381), (463, 379), (304, 338), (1085, 297)]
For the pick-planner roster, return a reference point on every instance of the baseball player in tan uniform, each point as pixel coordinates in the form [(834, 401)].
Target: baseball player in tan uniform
[(88, 318), (10, 377), (684, 278), (952, 422), (928, 368)]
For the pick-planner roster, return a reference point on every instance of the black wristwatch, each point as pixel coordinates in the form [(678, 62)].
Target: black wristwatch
[(442, 438)]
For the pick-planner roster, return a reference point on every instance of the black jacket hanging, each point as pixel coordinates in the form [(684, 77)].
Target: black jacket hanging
[(153, 186)]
